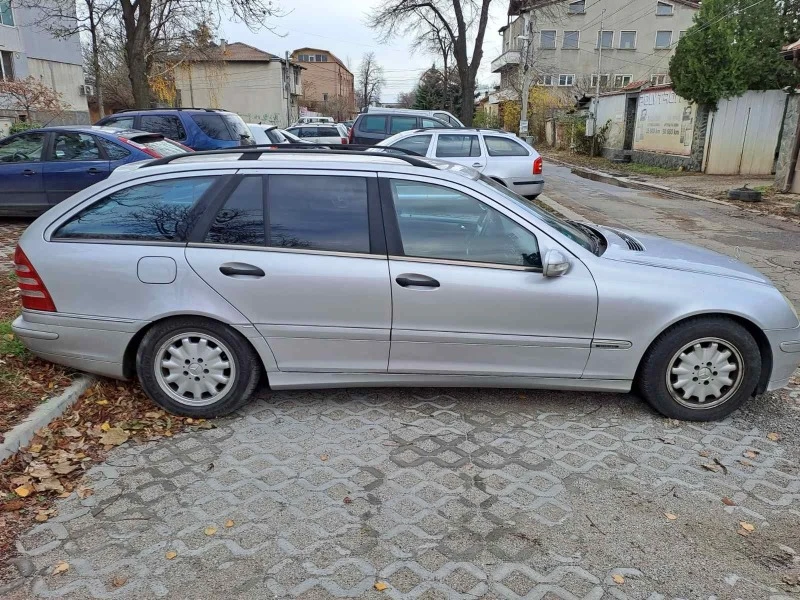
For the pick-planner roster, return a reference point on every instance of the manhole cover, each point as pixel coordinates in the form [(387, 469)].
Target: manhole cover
[(787, 262)]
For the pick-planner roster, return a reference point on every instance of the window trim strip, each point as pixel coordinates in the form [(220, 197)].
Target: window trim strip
[(286, 250), (465, 263)]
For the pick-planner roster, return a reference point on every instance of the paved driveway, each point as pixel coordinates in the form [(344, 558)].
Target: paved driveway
[(456, 493)]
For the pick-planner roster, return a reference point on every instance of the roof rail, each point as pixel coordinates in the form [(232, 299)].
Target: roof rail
[(255, 152), (124, 110), (455, 130)]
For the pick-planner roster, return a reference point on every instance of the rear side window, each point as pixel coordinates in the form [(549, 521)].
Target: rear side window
[(403, 124), (241, 218), (113, 151), (451, 145), (318, 212), (213, 126), (415, 143), (166, 125), (155, 211), (428, 123), (373, 124), (500, 146)]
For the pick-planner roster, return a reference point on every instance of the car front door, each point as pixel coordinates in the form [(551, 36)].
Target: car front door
[(75, 162), (461, 148), (310, 271), (21, 187), (468, 294)]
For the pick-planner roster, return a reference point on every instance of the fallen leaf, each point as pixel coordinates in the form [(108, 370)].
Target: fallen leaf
[(35, 448), (747, 526), (102, 402), (40, 471), (152, 415), (20, 480), (710, 467), (11, 506), (773, 436), (24, 491), (750, 454), (728, 502), (114, 436), (84, 492), (705, 453), (742, 532), (118, 581), (64, 468), (190, 420), (105, 426), (229, 523), (210, 530), (170, 555), (744, 462), (50, 484), (70, 432), (380, 586), (348, 500), (323, 457), (60, 568), (618, 579), (670, 516), (41, 516)]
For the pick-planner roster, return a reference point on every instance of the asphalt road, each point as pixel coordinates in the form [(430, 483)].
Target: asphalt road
[(457, 493)]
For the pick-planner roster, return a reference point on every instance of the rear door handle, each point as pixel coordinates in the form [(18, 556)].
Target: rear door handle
[(477, 165), (93, 170), (416, 280), (235, 269), (28, 172)]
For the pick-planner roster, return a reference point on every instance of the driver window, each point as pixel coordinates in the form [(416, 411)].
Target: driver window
[(438, 222), (26, 147)]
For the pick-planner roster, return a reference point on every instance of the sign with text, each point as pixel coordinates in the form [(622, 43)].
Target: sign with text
[(664, 123)]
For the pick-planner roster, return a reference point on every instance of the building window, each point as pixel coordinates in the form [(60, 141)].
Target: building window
[(547, 80), (571, 40), (548, 38), (681, 34), (324, 97), (663, 39), (321, 58), (566, 80), (6, 14), (7, 65), (658, 79), (577, 8), (622, 80), (605, 39), (296, 77), (663, 9), (627, 40), (303, 58), (603, 81)]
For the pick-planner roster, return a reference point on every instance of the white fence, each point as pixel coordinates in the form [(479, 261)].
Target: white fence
[(742, 134)]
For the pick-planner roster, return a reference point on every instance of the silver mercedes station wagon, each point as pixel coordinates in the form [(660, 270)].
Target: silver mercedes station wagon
[(330, 268)]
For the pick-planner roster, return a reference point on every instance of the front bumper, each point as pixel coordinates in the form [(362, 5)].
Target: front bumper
[(785, 344)]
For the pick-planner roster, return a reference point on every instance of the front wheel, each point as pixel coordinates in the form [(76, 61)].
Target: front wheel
[(196, 367), (701, 370)]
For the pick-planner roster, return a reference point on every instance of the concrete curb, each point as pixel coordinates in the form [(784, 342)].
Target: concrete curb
[(23, 432), (627, 182), (565, 212)]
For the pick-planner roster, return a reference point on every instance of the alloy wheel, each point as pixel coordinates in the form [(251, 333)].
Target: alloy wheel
[(705, 373)]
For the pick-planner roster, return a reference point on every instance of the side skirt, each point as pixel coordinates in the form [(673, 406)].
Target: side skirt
[(282, 380)]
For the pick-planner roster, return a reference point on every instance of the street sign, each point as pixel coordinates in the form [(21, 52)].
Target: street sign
[(523, 127)]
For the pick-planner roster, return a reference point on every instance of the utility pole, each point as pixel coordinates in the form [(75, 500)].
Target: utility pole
[(288, 87), (527, 37), (596, 102)]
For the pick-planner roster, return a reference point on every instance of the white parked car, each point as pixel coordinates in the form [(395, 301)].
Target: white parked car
[(310, 120), (267, 134), (497, 154), (328, 133)]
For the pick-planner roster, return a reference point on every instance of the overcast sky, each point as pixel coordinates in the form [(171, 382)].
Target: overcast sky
[(338, 26)]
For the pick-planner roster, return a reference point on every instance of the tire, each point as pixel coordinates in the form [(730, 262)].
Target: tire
[(744, 195), (673, 367), (180, 342)]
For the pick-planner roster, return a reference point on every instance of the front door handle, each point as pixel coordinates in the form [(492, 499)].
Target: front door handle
[(416, 280), (477, 165), (235, 269), (93, 170), (28, 172)]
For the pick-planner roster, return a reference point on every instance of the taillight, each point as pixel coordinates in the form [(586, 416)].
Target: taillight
[(537, 166), (32, 289), (141, 147), (344, 140)]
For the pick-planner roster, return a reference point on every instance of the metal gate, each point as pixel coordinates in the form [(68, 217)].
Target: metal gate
[(743, 134)]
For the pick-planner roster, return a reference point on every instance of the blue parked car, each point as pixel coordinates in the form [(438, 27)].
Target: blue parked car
[(42, 167), (198, 128)]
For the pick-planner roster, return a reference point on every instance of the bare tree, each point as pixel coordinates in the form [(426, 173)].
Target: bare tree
[(432, 37), (406, 99), (399, 16), (31, 95), (370, 80)]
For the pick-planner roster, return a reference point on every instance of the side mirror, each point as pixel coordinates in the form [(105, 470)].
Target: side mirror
[(555, 264)]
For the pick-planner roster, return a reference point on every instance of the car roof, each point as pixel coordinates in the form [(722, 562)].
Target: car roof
[(328, 124), (191, 109), (114, 131)]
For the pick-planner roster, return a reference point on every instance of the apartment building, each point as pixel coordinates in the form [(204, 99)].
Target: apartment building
[(561, 41), (26, 50), (329, 86)]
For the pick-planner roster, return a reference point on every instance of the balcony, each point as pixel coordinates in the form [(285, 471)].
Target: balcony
[(509, 58)]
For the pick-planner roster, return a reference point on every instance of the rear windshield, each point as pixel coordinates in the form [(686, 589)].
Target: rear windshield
[(326, 132), (162, 146), (223, 126)]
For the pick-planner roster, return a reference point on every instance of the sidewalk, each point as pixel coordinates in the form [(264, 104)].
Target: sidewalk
[(680, 184)]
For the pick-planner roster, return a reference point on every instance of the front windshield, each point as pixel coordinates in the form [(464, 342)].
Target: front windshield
[(563, 227)]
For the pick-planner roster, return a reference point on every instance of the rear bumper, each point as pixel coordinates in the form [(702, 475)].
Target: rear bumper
[(92, 345), (785, 344), (528, 186)]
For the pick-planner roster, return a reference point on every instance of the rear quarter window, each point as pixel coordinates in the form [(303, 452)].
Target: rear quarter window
[(213, 126), (154, 211), (500, 146), (373, 124)]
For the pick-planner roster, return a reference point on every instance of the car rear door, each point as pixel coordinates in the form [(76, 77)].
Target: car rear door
[(468, 294), (302, 255), (370, 128), (21, 163), (461, 148), (75, 161)]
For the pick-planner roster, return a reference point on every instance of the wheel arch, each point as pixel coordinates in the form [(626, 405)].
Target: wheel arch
[(752, 328)]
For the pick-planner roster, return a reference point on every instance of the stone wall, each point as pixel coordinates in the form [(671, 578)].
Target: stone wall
[(785, 163)]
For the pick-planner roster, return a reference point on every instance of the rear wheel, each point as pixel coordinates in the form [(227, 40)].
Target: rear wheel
[(196, 367), (701, 370)]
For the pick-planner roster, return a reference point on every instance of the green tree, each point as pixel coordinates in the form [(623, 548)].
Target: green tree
[(433, 93), (733, 46)]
